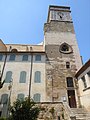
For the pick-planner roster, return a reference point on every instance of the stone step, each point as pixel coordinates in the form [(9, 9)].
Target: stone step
[(81, 113), (82, 118), (78, 110)]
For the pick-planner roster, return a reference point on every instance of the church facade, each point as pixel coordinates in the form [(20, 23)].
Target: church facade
[(45, 72)]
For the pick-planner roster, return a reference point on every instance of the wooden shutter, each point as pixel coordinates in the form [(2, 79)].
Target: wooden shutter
[(8, 77), (37, 77), (20, 96), (37, 97), (22, 77)]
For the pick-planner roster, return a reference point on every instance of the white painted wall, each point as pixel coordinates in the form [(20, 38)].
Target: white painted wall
[(16, 67)]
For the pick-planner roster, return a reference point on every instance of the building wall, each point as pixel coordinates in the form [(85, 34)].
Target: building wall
[(56, 32), (84, 92), (16, 67)]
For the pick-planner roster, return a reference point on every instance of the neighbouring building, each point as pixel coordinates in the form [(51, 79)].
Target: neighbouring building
[(46, 72), (83, 76)]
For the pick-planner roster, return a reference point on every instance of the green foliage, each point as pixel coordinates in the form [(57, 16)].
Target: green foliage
[(2, 118), (24, 110)]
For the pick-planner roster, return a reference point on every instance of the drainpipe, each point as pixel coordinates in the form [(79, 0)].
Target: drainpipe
[(30, 76)]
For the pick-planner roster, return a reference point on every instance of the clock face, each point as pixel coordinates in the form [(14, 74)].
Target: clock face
[(61, 15)]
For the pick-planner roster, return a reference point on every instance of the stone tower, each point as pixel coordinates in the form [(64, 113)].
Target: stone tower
[(62, 56)]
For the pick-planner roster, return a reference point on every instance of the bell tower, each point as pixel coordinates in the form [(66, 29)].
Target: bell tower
[(62, 56), (57, 13)]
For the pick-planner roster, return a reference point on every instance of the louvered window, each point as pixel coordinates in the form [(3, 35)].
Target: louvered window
[(4, 98), (37, 57), (25, 58), (12, 57), (22, 77), (37, 78), (37, 97), (20, 97), (8, 77)]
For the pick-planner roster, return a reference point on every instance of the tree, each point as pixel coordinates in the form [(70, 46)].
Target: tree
[(24, 110)]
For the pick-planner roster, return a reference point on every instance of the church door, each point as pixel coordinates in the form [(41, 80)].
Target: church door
[(71, 98)]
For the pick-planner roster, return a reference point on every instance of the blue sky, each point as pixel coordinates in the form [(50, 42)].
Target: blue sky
[(22, 21)]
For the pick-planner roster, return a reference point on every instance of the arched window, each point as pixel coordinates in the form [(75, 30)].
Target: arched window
[(22, 77), (67, 64), (37, 97), (4, 98), (12, 57), (20, 97), (65, 48), (69, 82), (4, 102), (8, 77), (37, 77)]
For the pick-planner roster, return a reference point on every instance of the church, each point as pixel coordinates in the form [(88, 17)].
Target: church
[(48, 72)]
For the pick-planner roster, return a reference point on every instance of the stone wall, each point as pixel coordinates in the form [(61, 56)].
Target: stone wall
[(56, 73), (52, 111)]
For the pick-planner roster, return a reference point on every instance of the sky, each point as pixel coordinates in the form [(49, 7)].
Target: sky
[(22, 21)]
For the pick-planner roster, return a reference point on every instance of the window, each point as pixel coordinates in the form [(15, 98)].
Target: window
[(22, 77), (37, 78), (65, 48), (20, 97), (25, 58), (37, 97), (4, 98), (37, 57), (67, 64), (88, 74), (4, 104), (69, 82), (84, 82), (8, 77), (12, 57), (1, 56)]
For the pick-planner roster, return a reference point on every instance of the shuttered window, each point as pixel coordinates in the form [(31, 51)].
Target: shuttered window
[(12, 57), (4, 98), (8, 77), (22, 77), (37, 78), (37, 57), (20, 97), (37, 97), (84, 82), (1, 56), (25, 58)]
